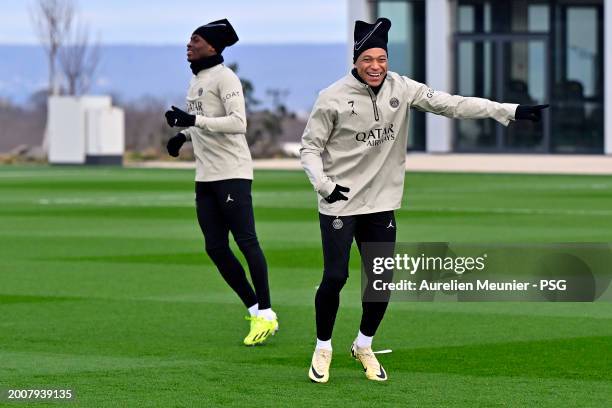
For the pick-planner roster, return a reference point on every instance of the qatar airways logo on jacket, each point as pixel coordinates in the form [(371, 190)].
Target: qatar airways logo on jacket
[(376, 136), (195, 108)]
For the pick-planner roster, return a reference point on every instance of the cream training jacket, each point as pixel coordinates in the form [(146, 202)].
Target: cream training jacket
[(219, 143), (358, 139)]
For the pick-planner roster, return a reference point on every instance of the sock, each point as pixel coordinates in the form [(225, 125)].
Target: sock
[(267, 314), (363, 340), (254, 309), (325, 345)]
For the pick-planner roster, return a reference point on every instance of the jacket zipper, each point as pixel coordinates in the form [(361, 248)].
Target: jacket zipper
[(373, 98)]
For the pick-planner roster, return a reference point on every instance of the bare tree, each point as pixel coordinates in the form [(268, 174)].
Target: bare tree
[(52, 21), (79, 60), (278, 97)]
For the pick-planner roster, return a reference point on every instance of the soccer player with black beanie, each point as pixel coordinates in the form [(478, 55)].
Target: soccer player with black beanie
[(354, 153), (215, 122)]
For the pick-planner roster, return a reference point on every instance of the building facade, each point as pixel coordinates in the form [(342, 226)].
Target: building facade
[(520, 51)]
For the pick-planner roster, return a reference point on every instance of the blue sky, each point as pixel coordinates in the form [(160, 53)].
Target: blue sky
[(172, 21)]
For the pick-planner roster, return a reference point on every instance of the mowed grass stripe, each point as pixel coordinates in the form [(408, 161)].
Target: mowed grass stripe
[(107, 288)]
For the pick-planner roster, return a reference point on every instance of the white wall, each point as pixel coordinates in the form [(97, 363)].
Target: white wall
[(84, 127), (357, 10), (64, 128), (67, 126), (105, 132), (439, 65)]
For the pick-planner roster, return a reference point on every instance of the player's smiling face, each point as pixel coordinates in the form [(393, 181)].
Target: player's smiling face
[(198, 48), (372, 66)]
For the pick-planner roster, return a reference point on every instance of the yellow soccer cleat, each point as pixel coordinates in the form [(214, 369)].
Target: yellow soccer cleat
[(319, 367), (373, 370), (261, 329)]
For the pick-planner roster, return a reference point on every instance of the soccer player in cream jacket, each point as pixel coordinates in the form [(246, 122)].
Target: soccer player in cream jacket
[(215, 122), (354, 153)]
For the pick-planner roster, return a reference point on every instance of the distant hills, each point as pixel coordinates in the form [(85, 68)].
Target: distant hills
[(132, 71)]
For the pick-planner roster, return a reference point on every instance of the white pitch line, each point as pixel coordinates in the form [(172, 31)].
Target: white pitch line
[(37, 175), (116, 202), (164, 200), (530, 187), (518, 211)]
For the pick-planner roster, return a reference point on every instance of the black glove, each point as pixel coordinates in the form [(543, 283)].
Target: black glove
[(337, 194), (175, 143), (532, 113), (177, 117)]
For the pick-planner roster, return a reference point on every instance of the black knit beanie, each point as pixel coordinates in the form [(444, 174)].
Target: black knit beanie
[(219, 34), (370, 36)]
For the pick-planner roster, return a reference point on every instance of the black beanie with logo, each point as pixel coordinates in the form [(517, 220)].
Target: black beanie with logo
[(219, 34), (370, 36)]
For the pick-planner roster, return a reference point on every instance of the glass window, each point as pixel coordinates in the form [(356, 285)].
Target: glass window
[(582, 47), (407, 53), (570, 34), (487, 17), (577, 99), (513, 71), (538, 17), (465, 15), (536, 75), (480, 16), (401, 50), (524, 79), (476, 65)]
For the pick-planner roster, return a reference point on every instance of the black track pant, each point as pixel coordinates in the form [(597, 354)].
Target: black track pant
[(224, 206), (337, 234)]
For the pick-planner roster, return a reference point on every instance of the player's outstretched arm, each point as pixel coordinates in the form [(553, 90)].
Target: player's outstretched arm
[(461, 107)]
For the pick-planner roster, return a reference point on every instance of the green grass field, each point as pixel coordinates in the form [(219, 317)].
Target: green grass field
[(105, 289)]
